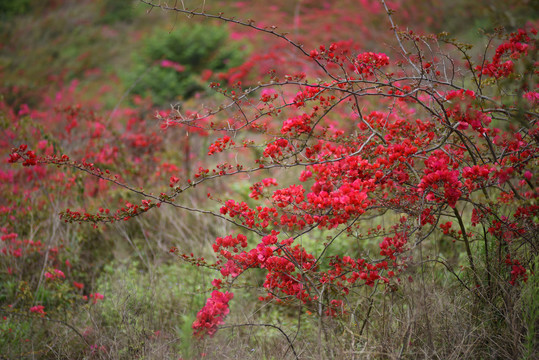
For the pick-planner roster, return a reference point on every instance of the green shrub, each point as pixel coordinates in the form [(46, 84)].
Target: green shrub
[(10, 8), (196, 48), (116, 10)]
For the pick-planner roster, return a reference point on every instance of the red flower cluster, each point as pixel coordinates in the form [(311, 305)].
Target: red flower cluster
[(212, 314), (297, 125), (220, 144), (38, 309), (438, 174), (367, 62), (519, 44), (257, 188), (275, 148), (30, 158), (518, 272), (57, 274), (95, 297)]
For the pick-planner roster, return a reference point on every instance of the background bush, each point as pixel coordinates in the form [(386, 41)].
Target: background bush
[(200, 50)]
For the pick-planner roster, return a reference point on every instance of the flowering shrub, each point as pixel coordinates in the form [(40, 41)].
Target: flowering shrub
[(426, 152)]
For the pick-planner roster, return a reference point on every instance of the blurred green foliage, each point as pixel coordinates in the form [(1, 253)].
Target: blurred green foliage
[(116, 10), (10, 8), (467, 17), (531, 310), (195, 47)]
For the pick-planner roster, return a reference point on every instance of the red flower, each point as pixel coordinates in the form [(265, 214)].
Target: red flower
[(38, 309)]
